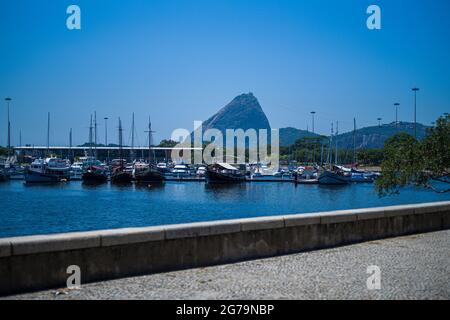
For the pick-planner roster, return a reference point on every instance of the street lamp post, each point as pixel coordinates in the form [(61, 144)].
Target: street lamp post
[(312, 114), (8, 100), (106, 138), (396, 114), (379, 122), (415, 89)]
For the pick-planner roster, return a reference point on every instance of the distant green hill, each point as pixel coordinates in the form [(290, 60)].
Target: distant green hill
[(366, 138), (374, 137), (289, 135)]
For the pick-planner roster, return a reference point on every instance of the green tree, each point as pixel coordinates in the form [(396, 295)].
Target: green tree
[(167, 144), (421, 163)]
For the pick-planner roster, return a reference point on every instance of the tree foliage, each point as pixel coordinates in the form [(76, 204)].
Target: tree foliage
[(421, 163)]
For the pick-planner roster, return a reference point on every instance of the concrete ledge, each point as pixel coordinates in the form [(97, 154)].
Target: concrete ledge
[(306, 219), (130, 235), (57, 242), (369, 213), (263, 223), (40, 262), (338, 216)]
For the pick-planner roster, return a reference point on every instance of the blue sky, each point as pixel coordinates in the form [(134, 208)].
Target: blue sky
[(180, 61)]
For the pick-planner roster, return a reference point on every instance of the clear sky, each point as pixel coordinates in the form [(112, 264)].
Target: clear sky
[(181, 60)]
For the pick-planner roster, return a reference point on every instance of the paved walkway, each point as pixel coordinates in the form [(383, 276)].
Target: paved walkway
[(412, 267)]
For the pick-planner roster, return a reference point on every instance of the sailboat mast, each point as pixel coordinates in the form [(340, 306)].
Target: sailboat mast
[(337, 129), (90, 137), (150, 140), (70, 143), (354, 141), (95, 133), (330, 147), (120, 143)]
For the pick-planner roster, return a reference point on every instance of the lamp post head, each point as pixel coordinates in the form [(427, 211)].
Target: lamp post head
[(8, 99), (313, 112), (396, 104), (415, 89)]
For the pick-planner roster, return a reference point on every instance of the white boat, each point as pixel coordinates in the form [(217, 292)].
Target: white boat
[(76, 171), (48, 170), (180, 170), (361, 177), (201, 171)]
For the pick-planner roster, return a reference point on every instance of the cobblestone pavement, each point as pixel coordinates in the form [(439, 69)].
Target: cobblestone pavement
[(412, 267)]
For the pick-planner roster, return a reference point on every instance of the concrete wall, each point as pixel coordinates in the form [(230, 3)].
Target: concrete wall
[(39, 262)]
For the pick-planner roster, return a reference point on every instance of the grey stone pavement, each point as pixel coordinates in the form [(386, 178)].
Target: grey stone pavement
[(412, 267)]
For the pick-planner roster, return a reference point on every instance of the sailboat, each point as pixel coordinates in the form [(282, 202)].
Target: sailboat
[(119, 175), (93, 172), (144, 173), (332, 174)]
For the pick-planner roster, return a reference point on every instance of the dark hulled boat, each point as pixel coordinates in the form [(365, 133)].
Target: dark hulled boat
[(94, 174), (119, 176), (224, 173), (150, 174)]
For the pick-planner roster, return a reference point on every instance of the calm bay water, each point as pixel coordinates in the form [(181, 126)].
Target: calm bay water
[(44, 209)]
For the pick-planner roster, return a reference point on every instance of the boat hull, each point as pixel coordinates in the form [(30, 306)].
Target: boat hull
[(218, 177), (331, 178), (92, 178), (149, 176), (37, 177), (121, 177), (307, 181)]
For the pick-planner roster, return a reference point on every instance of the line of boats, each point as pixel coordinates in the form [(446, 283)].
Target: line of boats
[(92, 171)]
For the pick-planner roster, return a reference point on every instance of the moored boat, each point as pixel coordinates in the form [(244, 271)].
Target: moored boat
[(95, 174), (147, 173), (119, 176), (76, 171), (224, 173), (334, 176), (49, 170)]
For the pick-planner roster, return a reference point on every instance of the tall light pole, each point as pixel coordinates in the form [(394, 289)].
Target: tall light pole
[(379, 122), (396, 113), (415, 89), (8, 100), (312, 114), (106, 138)]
